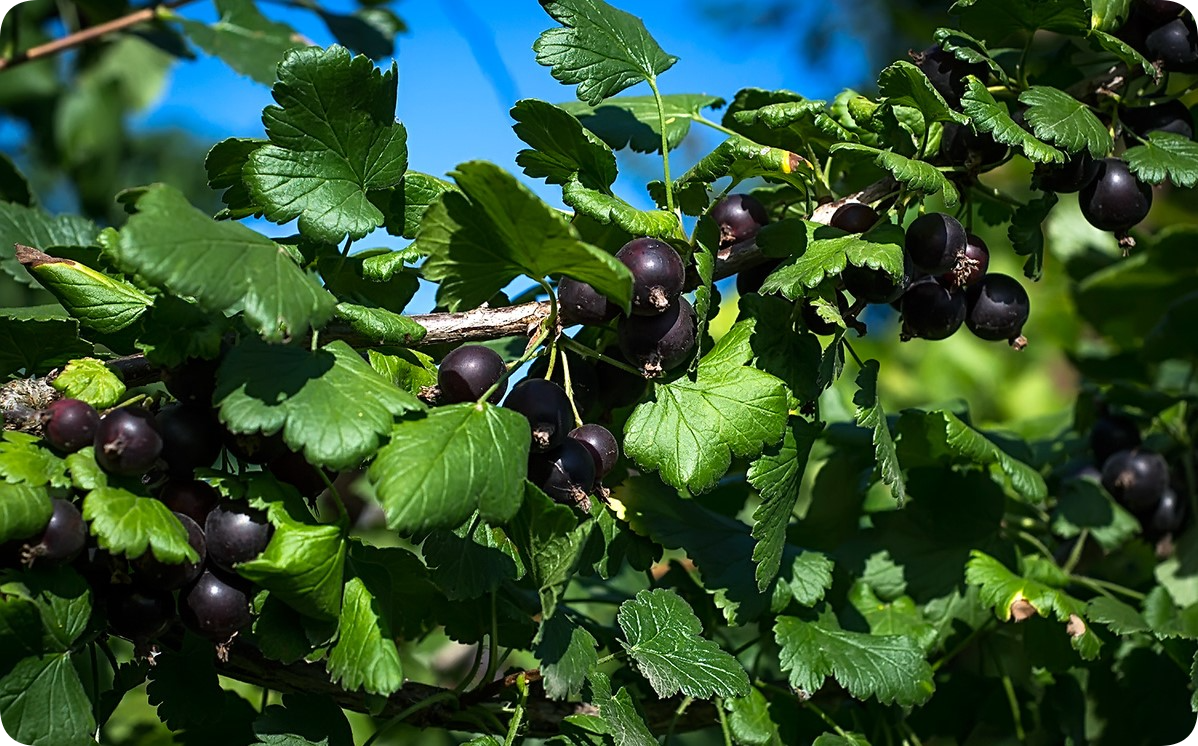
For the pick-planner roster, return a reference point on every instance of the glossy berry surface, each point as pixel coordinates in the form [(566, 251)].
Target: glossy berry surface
[(63, 539), (1115, 200), (972, 265), (932, 311), (566, 474), (584, 381), (579, 303), (215, 606), (70, 424), (877, 285), (139, 614), (466, 373), (1136, 478), (749, 279), (935, 242), (1112, 433), (854, 217), (657, 274), (191, 438), (127, 441), (1168, 116), (601, 444), (1069, 177), (545, 405), (234, 533), (947, 73), (192, 498), (151, 572), (998, 308), (740, 217), (1167, 517), (660, 343), (1174, 45)]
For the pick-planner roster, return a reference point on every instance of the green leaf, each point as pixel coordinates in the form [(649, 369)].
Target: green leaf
[(1116, 615), (376, 278), (889, 667), (223, 266), (568, 655), (365, 655), (471, 567), (1027, 233), (778, 350), (693, 428), (246, 40), (1124, 51), (176, 329), (1108, 15), (410, 370), (561, 148), (633, 121), (1083, 505), (918, 175), (664, 637), (14, 187), (329, 403), (224, 165), (871, 416), (995, 21), (304, 563), (607, 209), (43, 703), (186, 690), (899, 616), (744, 159), (303, 720), (35, 227), (24, 511), (821, 251), (64, 603), (380, 326), (833, 739), (904, 84), (777, 475), (98, 301), (1061, 119), (1166, 619), (784, 119), (325, 157), (1165, 156), (404, 206), (23, 460), (36, 346), (551, 541), (600, 49), (418, 475), (86, 474), (90, 380), (624, 723), (749, 720), (990, 116), (124, 523), (965, 47), (494, 230)]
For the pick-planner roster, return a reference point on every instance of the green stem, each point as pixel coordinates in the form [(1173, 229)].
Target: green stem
[(95, 661), (405, 714), (1027, 48), (514, 726), (585, 351), (665, 146), (966, 642), (852, 352), (716, 126), (1039, 545), (719, 708), (1075, 555), (478, 659), (827, 719), (1013, 701), (265, 700), (492, 641), (1099, 585), (682, 707), (570, 390), (342, 513)]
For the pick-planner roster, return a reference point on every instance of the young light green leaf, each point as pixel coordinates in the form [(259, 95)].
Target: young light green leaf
[(664, 637), (691, 430), (600, 49), (24, 511), (380, 326), (328, 403), (918, 175), (480, 239), (43, 703), (90, 380), (551, 541), (561, 148), (818, 252), (899, 616), (990, 116), (1027, 233), (471, 567), (777, 475), (223, 266), (365, 655), (410, 370), (1061, 119), (904, 84), (871, 416), (743, 159), (418, 475), (633, 121), (86, 474), (98, 301), (567, 653), (608, 209), (624, 723), (246, 40), (324, 159), (124, 523), (36, 227), (889, 667), (1165, 156), (24, 460)]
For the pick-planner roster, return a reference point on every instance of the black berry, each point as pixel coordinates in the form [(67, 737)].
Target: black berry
[(579, 303), (566, 474), (1174, 45), (584, 381), (998, 308), (215, 606), (1167, 517), (935, 242), (192, 498), (191, 438), (657, 274), (466, 373), (193, 381), (749, 279), (545, 405), (877, 285), (960, 145), (660, 343), (151, 572), (739, 216), (1136, 478), (601, 444), (139, 614), (618, 387), (816, 323), (947, 73), (932, 311), (235, 533), (254, 448), (1168, 116), (1112, 433), (292, 468), (64, 537), (1069, 177), (972, 265), (127, 441), (1115, 200), (70, 424), (854, 217)]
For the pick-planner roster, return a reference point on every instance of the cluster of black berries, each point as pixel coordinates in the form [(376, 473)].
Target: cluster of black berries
[(567, 463), (1136, 477), (1163, 33), (1111, 197)]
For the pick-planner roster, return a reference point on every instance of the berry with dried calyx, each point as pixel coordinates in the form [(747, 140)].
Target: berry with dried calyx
[(566, 474), (191, 438), (740, 217), (657, 344), (151, 572), (657, 274), (235, 532), (877, 285), (216, 606), (192, 498), (601, 444), (1069, 177), (1115, 200), (63, 539), (546, 407), (579, 303), (998, 308), (935, 242), (139, 614), (854, 217), (1112, 433), (972, 265), (1136, 478), (127, 441)]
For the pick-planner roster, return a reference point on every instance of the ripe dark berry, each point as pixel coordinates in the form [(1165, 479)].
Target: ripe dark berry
[(235, 533), (1115, 200), (192, 498), (876, 285), (1069, 177), (293, 469), (1174, 45), (191, 438), (64, 537), (947, 73), (215, 606), (749, 279), (70, 424), (854, 217), (467, 372), (193, 381), (545, 405), (1167, 116), (932, 311), (972, 265), (739, 216), (657, 274), (1112, 433), (138, 614), (816, 323), (127, 441), (960, 145), (584, 381), (566, 474), (151, 572), (582, 304), (601, 444), (618, 387), (1167, 517), (1136, 478), (998, 308), (935, 242), (657, 344), (254, 448)]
